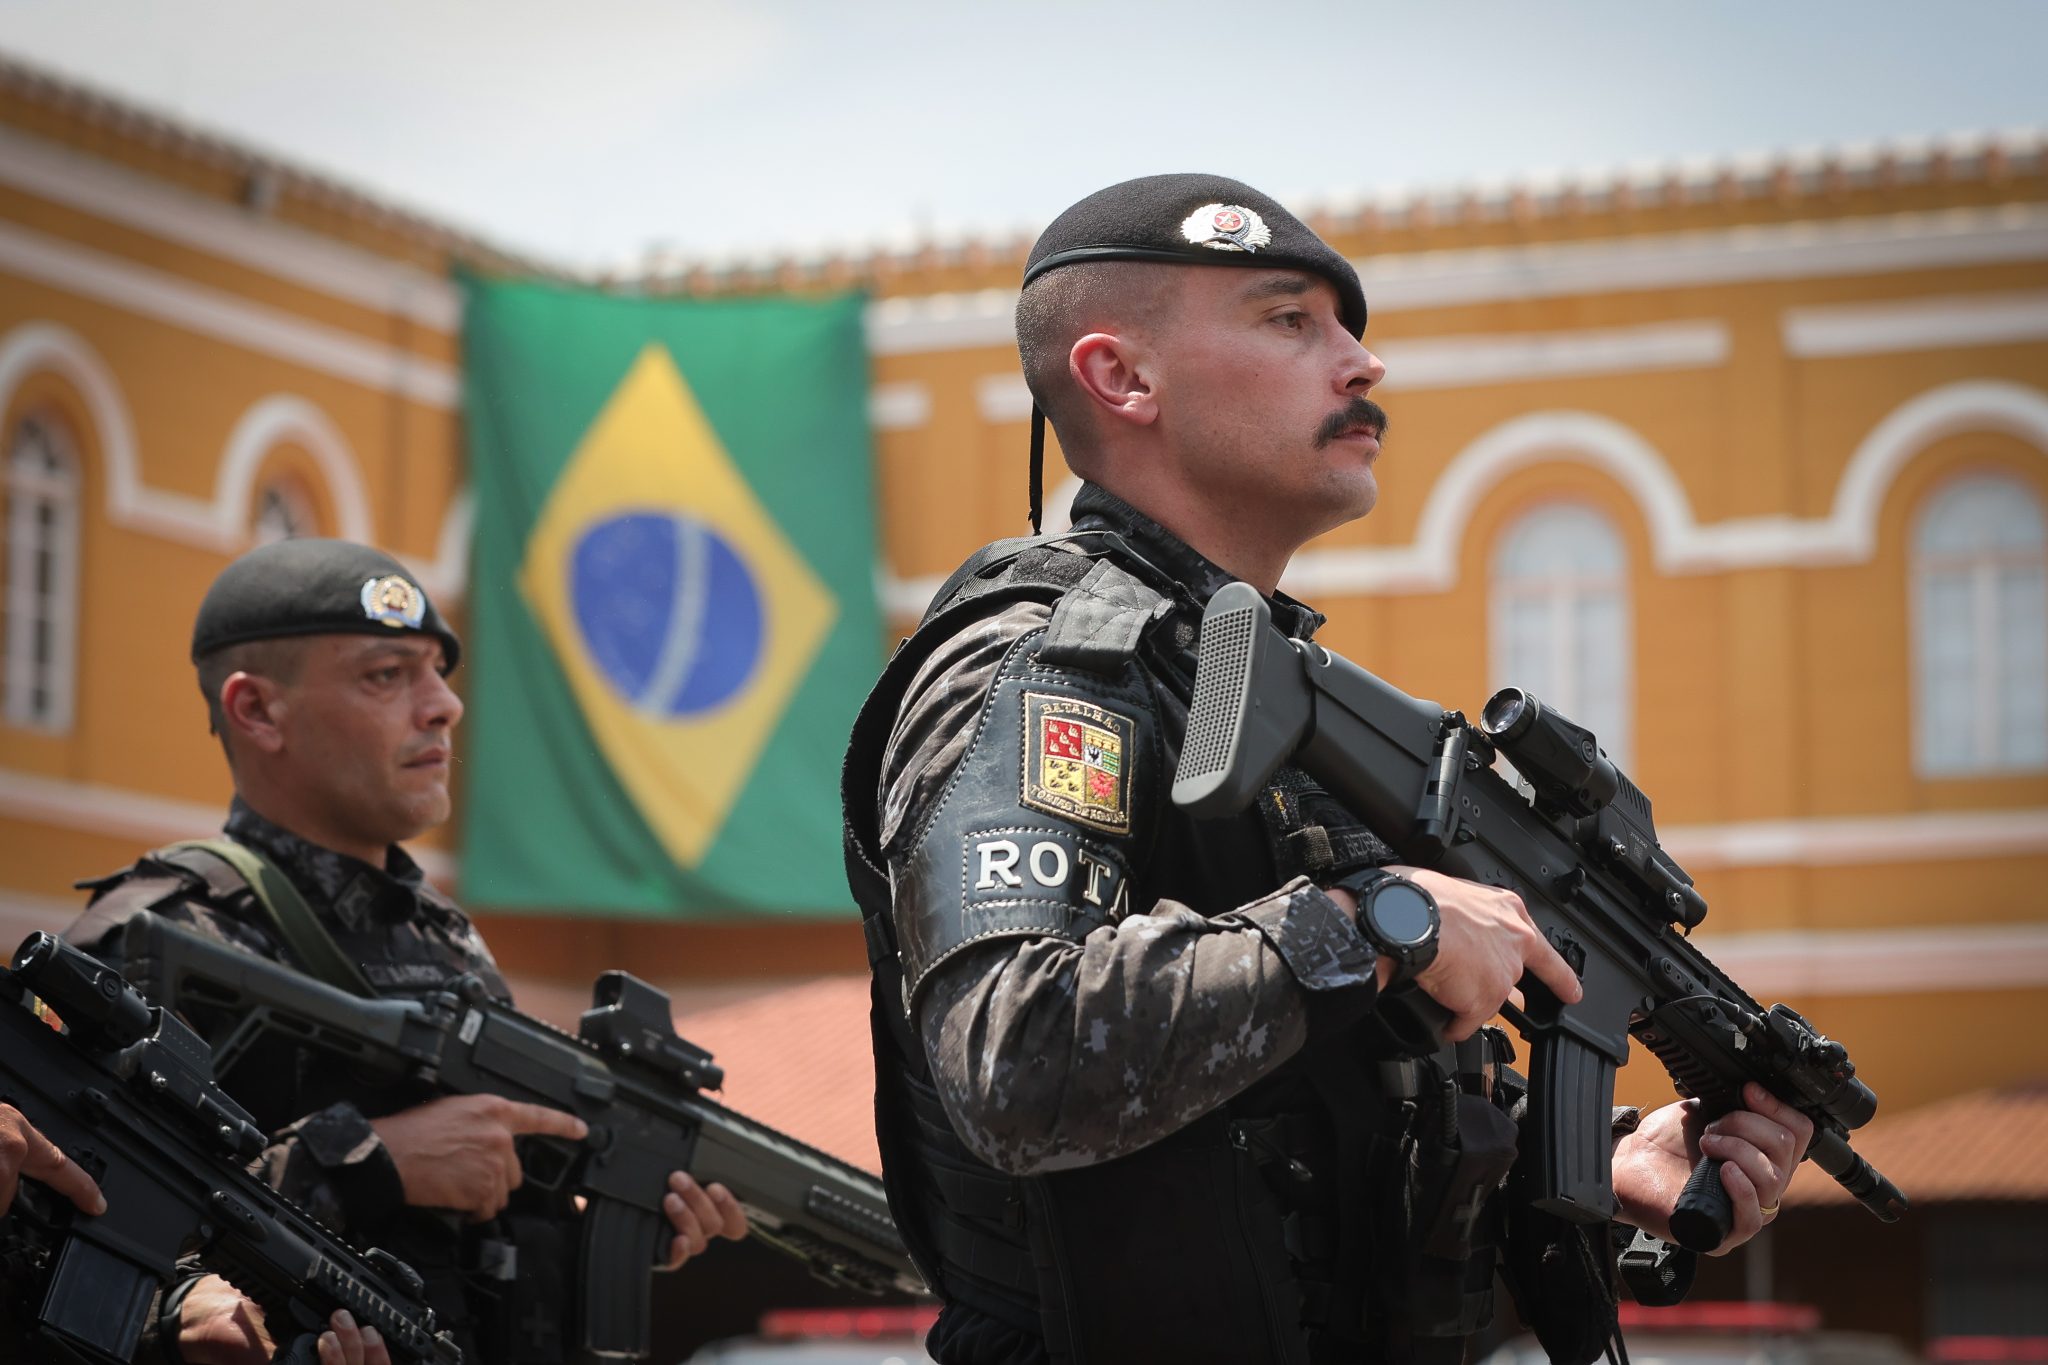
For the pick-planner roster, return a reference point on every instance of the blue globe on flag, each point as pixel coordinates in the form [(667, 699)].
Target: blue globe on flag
[(667, 610)]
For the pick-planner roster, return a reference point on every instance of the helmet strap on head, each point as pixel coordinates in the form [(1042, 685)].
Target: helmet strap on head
[(1037, 466)]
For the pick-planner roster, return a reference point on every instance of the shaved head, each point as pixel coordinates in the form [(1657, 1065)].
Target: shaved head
[(1064, 305)]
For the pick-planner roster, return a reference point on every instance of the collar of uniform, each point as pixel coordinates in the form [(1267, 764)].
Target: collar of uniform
[(353, 892), (1095, 507)]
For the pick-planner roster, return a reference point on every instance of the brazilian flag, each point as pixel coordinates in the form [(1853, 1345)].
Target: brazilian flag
[(673, 608)]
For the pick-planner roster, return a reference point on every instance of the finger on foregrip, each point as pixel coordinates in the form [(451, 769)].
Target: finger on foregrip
[(1705, 1214)]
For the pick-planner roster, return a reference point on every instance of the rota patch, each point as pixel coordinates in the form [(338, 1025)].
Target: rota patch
[(1077, 761)]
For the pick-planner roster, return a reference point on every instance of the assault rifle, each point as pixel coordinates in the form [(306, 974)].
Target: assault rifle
[(1580, 850), (626, 1074), (127, 1092)]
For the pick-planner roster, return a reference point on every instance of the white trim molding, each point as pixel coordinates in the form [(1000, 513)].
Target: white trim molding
[(1456, 362), (1819, 841), (447, 577), (22, 913), (221, 523), (1861, 840), (204, 311), (1945, 957), (1921, 324), (903, 406), (1679, 544), (1002, 398), (148, 205), (113, 811), (48, 347), (279, 419), (1872, 245), (1968, 405), (1676, 260), (1953, 957), (118, 813), (942, 322)]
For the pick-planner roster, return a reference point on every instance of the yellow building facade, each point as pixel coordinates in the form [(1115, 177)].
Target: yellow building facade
[(1743, 465), (198, 346)]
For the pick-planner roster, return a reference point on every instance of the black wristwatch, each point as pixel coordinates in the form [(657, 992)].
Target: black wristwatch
[(1397, 917)]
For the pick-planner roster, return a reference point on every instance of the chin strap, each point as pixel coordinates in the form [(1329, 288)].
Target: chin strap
[(1037, 466)]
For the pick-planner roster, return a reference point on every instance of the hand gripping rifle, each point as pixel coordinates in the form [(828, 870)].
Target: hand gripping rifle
[(127, 1092), (626, 1074), (1583, 855)]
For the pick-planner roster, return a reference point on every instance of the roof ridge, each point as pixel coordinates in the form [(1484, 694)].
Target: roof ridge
[(1808, 171), (201, 145)]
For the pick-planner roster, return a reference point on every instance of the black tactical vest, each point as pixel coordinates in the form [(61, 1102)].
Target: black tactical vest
[(1339, 1209), (500, 1287)]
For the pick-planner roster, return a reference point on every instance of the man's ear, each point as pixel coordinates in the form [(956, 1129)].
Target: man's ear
[(253, 710), (1114, 373)]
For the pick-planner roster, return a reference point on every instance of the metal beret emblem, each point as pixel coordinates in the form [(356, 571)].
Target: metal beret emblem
[(394, 601), (1226, 227)]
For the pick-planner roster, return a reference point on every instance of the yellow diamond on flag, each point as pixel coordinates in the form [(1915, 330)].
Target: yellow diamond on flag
[(681, 615)]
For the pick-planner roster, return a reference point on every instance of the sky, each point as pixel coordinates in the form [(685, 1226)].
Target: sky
[(594, 134)]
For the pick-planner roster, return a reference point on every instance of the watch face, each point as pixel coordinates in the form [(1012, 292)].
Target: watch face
[(1402, 912)]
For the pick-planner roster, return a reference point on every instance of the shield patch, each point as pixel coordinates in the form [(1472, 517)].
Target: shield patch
[(1077, 761)]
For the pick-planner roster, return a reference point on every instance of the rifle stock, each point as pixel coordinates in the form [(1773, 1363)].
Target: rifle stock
[(626, 1074), (127, 1092), (1582, 854)]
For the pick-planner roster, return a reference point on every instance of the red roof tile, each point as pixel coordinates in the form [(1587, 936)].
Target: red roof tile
[(799, 1059), (1989, 1145)]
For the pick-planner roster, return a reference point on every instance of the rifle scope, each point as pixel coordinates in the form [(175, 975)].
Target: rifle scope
[(1562, 761), (90, 997)]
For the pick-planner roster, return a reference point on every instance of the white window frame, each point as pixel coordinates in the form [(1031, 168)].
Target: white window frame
[(1989, 629), (40, 688), (1558, 595), (289, 494)]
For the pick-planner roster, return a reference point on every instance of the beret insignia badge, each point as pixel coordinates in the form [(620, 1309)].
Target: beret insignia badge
[(395, 602), (1226, 227), (1077, 759)]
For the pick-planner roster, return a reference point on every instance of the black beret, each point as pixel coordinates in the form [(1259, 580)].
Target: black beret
[(310, 586), (1193, 220)]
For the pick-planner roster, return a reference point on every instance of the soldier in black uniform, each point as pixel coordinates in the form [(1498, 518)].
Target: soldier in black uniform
[(324, 667), (1158, 1089)]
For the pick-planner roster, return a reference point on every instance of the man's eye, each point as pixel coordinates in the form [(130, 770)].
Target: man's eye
[(384, 675), (1293, 322)]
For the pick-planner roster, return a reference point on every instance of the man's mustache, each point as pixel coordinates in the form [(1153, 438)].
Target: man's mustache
[(1359, 412)]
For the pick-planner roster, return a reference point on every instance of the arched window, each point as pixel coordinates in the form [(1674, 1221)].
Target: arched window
[(284, 511), (1980, 617), (1560, 618), (41, 608)]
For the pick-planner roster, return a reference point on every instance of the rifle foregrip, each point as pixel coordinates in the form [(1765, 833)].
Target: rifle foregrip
[(1704, 1214), (302, 1350), (622, 1243)]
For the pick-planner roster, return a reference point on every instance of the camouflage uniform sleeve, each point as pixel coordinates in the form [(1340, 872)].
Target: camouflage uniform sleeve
[(1080, 1036), (331, 1163)]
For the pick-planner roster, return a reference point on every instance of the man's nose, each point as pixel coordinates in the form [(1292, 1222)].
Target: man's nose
[(1364, 372), (442, 706)]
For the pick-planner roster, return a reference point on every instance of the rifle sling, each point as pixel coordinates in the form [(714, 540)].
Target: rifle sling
[(317, 952)]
